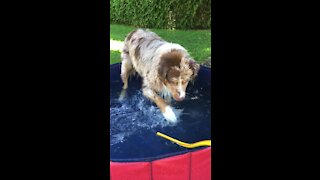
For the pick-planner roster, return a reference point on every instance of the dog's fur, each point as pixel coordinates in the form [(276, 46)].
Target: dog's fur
[(166, 68)]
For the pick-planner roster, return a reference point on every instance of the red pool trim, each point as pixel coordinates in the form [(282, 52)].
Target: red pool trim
[(192, 165)]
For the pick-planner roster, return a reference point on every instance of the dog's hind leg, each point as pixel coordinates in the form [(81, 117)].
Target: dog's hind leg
[(126, 70), (166, 109)]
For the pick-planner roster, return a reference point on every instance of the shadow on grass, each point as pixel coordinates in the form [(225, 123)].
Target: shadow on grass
[(114, 57)]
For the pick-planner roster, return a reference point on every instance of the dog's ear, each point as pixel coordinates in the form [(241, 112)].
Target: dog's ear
[(162, 71), (167, 62), (194, 66)]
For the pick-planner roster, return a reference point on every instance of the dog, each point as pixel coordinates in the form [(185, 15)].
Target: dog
[(166, 69)]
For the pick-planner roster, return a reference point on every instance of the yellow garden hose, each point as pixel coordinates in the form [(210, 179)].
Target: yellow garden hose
[(186, 145)]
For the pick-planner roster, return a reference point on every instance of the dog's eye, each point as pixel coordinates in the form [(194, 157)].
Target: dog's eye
[(184, 81), (174, 81)]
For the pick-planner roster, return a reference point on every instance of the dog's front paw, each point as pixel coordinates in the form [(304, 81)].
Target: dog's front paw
[(122, 95), (169, 114)]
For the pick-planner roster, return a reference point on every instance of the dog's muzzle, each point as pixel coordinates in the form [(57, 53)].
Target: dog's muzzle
[(181, 96)]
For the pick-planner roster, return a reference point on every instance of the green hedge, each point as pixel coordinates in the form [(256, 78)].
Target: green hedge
[(162, 14)]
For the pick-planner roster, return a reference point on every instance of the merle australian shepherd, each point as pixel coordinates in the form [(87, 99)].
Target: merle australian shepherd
[(166, 68)]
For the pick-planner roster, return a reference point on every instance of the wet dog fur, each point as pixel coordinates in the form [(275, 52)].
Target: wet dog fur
[(166, 68)]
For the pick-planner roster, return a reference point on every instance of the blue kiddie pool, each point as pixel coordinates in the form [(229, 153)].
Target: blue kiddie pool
[(135, 150)]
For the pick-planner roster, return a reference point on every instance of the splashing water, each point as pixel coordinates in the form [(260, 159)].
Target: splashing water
[(134, 113)]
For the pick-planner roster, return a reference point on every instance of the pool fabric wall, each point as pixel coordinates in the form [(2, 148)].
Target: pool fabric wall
[(174, 163), (194, 165)]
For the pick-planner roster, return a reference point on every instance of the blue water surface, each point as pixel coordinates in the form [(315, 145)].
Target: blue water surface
[(135, 120)]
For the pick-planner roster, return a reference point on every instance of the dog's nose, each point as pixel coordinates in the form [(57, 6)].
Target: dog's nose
[(181, 95), (178, 92)]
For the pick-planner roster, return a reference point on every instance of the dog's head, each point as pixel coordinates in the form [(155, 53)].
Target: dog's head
[(176, 70)]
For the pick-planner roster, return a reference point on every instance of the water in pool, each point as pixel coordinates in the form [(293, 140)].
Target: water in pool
[(135, 120)]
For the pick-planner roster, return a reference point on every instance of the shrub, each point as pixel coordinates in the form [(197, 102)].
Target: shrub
[(163, 14)]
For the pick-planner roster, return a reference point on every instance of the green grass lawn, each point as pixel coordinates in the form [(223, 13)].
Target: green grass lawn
[(197, 42)]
